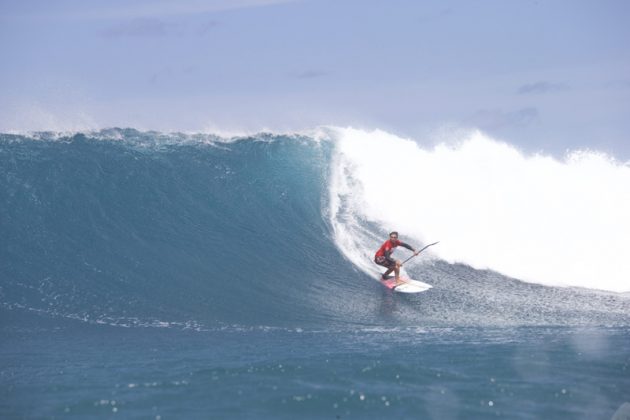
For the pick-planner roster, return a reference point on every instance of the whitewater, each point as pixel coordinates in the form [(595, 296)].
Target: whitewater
[(558, 222)]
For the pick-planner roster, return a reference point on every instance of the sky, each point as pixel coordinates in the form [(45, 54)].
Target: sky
[(547, 76)]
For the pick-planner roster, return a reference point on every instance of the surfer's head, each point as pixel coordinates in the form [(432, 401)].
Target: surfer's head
[(393, 236)]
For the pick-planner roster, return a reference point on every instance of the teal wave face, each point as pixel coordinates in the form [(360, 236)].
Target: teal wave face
[(137, 231)]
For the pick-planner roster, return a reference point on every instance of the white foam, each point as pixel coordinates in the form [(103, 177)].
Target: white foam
[(535, 218)]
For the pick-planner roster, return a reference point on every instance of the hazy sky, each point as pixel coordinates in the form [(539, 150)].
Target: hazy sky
[(545, 75)]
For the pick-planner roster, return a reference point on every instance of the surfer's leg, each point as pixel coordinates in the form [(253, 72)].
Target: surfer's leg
[(382, 261), (397, 272)]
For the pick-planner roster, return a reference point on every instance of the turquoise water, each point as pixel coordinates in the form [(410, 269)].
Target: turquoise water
[(255, 372), (147, 275)]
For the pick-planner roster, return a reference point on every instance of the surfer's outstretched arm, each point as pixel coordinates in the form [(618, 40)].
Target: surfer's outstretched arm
[(409, 247)]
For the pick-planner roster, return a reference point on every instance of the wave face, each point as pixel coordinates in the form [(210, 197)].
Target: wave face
[(133, 228)]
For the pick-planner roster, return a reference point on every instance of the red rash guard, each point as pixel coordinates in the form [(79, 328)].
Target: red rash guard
[(388, 247)]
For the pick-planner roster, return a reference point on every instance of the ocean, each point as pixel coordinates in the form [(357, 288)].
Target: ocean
[(176, 275)]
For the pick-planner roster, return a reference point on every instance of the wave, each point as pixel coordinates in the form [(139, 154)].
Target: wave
[(148, 229)]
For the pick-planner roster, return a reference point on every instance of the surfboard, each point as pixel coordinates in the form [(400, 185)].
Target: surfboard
[(409, 285)]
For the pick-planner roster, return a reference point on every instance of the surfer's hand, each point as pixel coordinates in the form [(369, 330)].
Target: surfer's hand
[(416, 253)]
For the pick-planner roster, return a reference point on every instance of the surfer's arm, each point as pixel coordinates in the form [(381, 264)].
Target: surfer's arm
[(409, 247)]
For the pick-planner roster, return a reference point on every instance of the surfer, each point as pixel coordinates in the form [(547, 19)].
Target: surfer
[(383, 256)]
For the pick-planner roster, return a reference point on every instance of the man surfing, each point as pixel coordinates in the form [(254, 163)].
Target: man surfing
[(383, 256)]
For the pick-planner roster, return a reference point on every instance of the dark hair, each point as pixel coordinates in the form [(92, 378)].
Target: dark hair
[(393, 233)]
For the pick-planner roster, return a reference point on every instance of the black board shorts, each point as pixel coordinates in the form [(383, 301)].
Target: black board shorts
[(384, 262)]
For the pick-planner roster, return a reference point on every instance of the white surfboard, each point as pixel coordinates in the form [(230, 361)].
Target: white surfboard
[(408, 285)]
